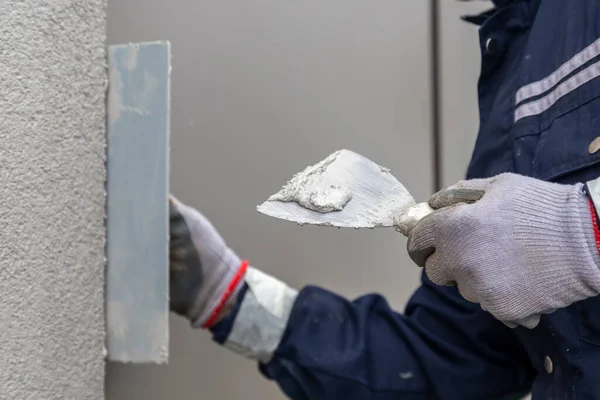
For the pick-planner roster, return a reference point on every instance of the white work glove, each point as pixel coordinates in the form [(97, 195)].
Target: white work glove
[(205, 274), (518, 246)]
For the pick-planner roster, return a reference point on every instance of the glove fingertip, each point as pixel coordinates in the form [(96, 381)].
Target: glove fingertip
[(438, 274), (453, 196), (421, 241), (531, 321), (173, 200), (511, 325), (420, 256)]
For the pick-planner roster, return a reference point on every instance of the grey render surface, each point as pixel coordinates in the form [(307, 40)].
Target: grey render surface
[(52, 147)]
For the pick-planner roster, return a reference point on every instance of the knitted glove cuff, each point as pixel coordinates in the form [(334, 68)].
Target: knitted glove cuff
[(227, 279), (555, 231)]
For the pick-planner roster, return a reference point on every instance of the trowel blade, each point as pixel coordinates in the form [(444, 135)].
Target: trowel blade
[(377, 196)]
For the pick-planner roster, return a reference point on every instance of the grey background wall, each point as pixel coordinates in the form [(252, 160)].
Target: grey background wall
[(459, 58), (262, 88), (53, 81)]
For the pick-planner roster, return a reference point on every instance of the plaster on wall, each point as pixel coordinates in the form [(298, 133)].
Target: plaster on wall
[(52, 151)]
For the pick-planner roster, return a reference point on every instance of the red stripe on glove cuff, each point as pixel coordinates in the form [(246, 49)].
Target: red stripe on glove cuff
[(595, 225), (229, 291)]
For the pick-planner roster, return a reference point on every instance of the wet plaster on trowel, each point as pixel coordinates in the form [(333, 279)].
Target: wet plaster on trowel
[(52, 135), (310, 190), (364, 194)]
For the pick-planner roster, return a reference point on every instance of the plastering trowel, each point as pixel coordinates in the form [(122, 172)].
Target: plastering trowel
[(346, 190)]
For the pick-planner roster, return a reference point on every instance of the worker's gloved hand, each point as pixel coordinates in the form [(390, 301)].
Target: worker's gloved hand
[(205, 274), (518, 246)]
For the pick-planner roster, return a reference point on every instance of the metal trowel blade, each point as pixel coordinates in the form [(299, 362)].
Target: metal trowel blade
[(377, 196)]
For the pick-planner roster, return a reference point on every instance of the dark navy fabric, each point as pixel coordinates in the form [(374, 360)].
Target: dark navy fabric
[(443, 347), (222, 329)]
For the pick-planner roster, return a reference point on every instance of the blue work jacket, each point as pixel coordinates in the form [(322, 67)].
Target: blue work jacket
[(539, 103)]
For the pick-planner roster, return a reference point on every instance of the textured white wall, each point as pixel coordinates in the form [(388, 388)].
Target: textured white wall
[(260, 89), (52, 146)]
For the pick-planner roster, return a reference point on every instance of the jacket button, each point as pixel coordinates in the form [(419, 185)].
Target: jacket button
[(491, 46), (594, 146), (548, 365)]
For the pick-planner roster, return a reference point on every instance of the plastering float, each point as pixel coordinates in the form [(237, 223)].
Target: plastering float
[(137, 220)]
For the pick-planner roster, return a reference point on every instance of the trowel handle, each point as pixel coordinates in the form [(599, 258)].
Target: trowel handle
[(406, 222)]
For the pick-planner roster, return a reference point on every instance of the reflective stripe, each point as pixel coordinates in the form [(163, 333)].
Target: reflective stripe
[(542, 86), (262, 317), (539, 106)]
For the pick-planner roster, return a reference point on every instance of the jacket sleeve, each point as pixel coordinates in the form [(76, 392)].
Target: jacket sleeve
[(318, 345)]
